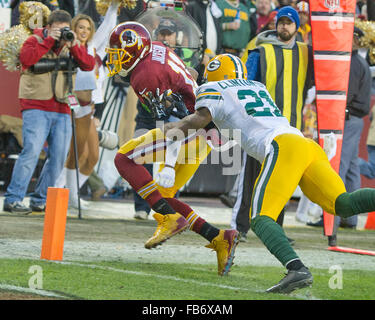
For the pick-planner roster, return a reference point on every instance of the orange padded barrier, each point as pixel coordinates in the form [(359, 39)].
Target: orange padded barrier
[(332, 23)]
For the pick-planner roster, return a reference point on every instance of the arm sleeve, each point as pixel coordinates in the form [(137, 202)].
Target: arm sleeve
[(210, 98), (100, 39), (253, 66), (32, 50), (85, 61)]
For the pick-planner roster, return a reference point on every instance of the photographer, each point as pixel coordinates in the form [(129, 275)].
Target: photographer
[(89, 91), (45, 113)]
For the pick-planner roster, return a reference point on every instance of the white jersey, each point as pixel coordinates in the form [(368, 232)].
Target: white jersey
[(246, 106)]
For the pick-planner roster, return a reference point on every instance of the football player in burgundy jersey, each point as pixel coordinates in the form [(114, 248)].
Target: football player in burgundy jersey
[(158, 76)]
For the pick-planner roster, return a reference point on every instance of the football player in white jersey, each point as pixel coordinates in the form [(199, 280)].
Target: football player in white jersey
[(288, 159)]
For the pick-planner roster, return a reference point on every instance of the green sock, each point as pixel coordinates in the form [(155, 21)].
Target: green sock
[(274, 238), (360, 201)]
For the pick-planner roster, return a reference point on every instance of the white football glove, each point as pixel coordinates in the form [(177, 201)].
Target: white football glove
[(165, 178)]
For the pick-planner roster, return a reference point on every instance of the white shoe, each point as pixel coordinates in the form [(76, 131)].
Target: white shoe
[(73, 204), (301, 218), (315, 211), (141, 215)]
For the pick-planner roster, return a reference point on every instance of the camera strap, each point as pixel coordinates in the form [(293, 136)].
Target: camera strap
[(70, 75), (71, 98), (54, 75)]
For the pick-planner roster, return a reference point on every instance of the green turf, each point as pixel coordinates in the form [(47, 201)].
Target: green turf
[(148, 281)]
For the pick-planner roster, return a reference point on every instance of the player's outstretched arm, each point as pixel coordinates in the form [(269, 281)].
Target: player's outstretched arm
[(179, 130)]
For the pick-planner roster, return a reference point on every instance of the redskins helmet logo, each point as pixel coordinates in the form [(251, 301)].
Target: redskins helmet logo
[(213, 65), (130, 38)]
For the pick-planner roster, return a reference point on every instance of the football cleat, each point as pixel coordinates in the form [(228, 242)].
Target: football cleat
[(294, 279), (224, 244), (168, 226)]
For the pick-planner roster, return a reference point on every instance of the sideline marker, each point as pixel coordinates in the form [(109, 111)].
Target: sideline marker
[(370, 222), (332, 24), (352, 250), (54, 223)]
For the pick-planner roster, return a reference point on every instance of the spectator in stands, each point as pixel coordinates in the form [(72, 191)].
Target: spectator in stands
[(45, 115), (270, 24), (88, 88), (75, 7), (206, 14), (263, 10), (252, 10), (167, 32), (127, 14), (235, 23), (284, 3), (304, 31)]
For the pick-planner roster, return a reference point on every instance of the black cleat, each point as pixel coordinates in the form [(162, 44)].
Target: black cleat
[(38, 207), (332, 240), (295, 279), (16, 207)]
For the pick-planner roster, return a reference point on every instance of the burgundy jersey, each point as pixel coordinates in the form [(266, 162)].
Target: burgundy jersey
[(163, 69)]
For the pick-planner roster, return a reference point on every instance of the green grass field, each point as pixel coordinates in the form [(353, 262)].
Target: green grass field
[(134, 281), (105, 260)]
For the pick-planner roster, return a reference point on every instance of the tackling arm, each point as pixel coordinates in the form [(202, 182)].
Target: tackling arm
[(178, 130), (175, 132)]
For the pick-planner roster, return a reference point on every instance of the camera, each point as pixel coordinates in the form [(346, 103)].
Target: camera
[(66, 34), (108, 139), (47, 65)]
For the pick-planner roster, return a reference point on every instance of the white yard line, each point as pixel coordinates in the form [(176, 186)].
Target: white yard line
[(38, 292), (173, 278), (154, 275)]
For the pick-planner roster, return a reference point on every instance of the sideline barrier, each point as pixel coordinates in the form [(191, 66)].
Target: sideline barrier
[(332, 24), (370, 222)]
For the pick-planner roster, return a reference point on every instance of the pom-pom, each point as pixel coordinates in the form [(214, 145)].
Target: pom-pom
[(368, 40), (33, 14), (102, 5), (11, 42)]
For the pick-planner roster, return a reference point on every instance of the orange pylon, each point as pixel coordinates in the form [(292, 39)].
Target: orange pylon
[(370, 222), (54, 224)]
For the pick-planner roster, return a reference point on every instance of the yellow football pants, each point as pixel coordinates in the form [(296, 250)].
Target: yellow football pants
[(294, 160), (150, 148)]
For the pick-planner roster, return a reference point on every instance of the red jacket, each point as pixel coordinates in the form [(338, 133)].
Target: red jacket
[(32, 51)]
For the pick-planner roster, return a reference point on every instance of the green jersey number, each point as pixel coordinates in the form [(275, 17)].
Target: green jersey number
[(261, 104)]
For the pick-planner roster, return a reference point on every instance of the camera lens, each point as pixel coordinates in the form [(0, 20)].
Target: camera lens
[(67, 34)]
